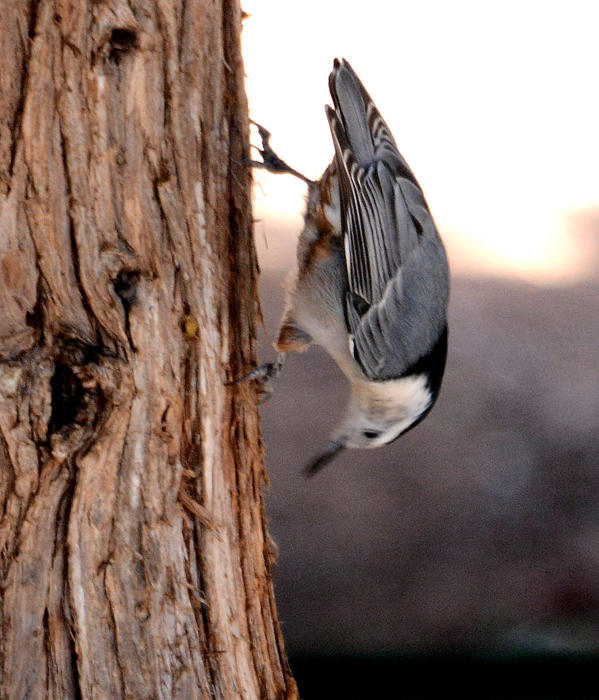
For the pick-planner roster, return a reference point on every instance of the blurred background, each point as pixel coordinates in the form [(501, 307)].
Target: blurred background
[(478, 532)]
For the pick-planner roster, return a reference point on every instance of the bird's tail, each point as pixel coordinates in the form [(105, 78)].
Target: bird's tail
[(357, 126), (367, 134)]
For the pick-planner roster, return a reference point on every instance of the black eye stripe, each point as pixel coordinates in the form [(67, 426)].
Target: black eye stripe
[(370, 434)]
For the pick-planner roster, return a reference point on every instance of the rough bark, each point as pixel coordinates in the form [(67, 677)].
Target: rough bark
[(134, 557)]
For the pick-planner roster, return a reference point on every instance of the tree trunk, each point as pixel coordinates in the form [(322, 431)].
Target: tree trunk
[(134, 557)]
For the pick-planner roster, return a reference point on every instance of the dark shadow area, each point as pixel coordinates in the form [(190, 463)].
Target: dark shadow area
[(443, 676)]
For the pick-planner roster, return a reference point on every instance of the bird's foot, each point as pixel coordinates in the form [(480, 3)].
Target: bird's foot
[(265, 374), (270, 160)]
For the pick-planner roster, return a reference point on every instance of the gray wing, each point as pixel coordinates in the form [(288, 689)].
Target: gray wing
[(397, 272)]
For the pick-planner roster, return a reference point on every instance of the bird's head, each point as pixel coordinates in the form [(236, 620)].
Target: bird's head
[(378, 413)]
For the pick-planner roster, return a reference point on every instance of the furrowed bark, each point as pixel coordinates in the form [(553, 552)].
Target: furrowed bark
[(134, 556)]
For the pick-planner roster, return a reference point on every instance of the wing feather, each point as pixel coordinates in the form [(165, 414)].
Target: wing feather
[(396, 266)]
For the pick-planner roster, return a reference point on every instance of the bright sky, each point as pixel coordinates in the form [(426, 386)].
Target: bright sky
[(494, 105)]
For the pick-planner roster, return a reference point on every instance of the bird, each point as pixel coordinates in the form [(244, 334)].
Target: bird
[(372, 279)]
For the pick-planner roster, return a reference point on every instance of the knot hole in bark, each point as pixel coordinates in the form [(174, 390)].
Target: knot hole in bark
[(122, 41), (68, 397), (125, 287), (75, 393)]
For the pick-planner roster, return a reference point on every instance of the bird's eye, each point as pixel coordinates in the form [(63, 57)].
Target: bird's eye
[(371, 434)]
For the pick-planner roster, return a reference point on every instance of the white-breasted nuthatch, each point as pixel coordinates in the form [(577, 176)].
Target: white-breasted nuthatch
[(372, 283)]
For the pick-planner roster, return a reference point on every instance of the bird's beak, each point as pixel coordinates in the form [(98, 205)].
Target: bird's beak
[(327, 455)]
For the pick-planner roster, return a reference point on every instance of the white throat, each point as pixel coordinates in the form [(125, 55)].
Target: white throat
[(400, 401)]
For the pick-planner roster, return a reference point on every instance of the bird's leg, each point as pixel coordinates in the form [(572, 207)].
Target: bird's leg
[(265, 374), (270, 160)]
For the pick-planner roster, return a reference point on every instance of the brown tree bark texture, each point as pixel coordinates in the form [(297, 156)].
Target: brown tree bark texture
[(134, 557)]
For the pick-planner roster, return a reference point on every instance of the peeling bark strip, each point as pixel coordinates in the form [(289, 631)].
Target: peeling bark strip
[(134, 557)]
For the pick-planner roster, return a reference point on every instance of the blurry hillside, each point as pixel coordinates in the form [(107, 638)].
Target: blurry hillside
[(477, 530)]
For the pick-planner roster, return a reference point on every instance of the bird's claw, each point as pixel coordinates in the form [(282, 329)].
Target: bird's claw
[(265, 374), (270, 160)]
